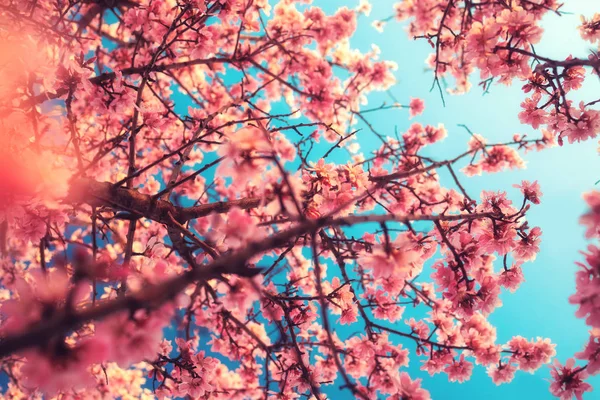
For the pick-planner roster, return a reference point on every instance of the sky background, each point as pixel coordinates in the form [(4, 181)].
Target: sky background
[(540, 307)]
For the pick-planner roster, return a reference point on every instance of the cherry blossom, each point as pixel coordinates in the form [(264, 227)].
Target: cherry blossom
[(568, 381), (189, 209)]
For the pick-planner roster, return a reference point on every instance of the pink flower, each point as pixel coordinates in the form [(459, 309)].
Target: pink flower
[(512, 278), (497, 237), (135, 18), (67, 370), (590, 29), (587, 296), (531, 114), (400, 259), (244, 152), (349, 315), (501, 373), (384, 382), (488, 296), (459, 371), (591, 354), (531, 191), (195, 386), (232, 230), (136, 338), (204, 365), (409, 389), (568, 381), (364, 7), (419, 328), (482, 38), (520, 24), (437, 362), (385, 307), (591, 219), (586, 125), (417, 106), (488, 355), (531, 355), (529, 245), (42, 292), (499, 158)]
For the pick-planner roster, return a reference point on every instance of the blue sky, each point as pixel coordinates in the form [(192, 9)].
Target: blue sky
[(540, 307)]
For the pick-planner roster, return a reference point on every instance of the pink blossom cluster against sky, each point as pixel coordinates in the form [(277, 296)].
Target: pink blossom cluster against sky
[(235, 199)]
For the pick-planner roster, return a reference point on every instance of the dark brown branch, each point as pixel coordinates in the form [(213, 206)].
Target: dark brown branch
[(105, 194), (156, 295)]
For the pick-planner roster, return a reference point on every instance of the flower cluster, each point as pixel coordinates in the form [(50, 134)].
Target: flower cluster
[(174, 223), (498, 39)]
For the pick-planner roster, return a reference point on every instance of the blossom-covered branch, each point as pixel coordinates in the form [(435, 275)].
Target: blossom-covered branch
[(170, 208), (498, 38)]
